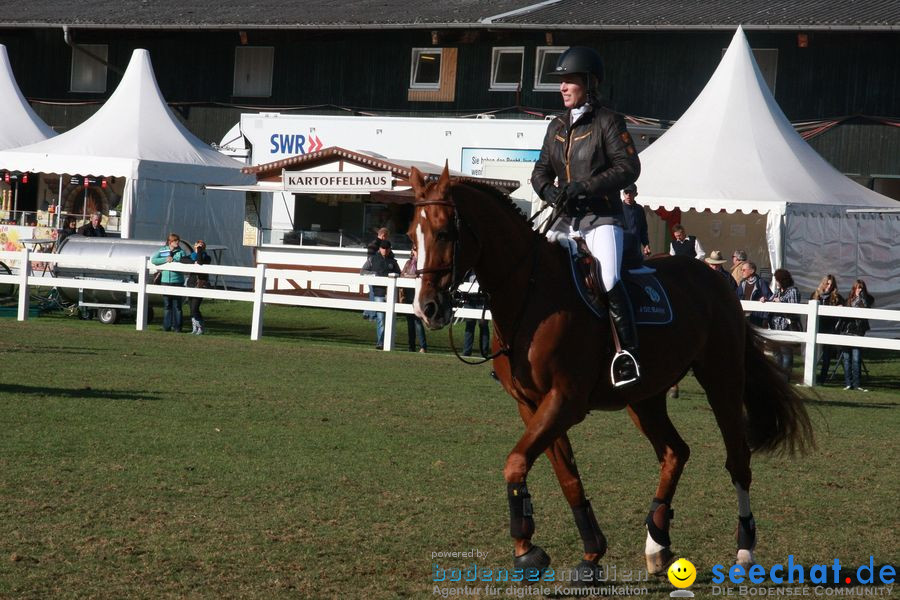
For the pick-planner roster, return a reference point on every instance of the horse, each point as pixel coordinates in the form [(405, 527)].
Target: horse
[(553, 356)]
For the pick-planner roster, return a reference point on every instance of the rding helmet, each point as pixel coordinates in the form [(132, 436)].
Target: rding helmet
[(579, 60)]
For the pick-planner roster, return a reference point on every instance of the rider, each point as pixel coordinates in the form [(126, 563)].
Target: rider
[(590, 153)]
